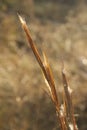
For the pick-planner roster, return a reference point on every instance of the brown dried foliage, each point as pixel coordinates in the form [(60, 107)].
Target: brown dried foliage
[(65, 112)]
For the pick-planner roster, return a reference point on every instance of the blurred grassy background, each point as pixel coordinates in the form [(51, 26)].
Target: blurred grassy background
[(59, 27)]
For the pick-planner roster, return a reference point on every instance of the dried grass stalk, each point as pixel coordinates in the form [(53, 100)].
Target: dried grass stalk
[(64, 112), (68, 101)]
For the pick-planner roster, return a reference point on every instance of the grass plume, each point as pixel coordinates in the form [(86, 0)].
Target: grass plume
[(65, 112)]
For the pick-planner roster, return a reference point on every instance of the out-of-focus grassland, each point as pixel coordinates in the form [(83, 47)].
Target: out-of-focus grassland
[(61, 31)]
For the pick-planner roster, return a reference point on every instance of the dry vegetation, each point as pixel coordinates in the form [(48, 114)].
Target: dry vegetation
[(23, 103), (64, 111)]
